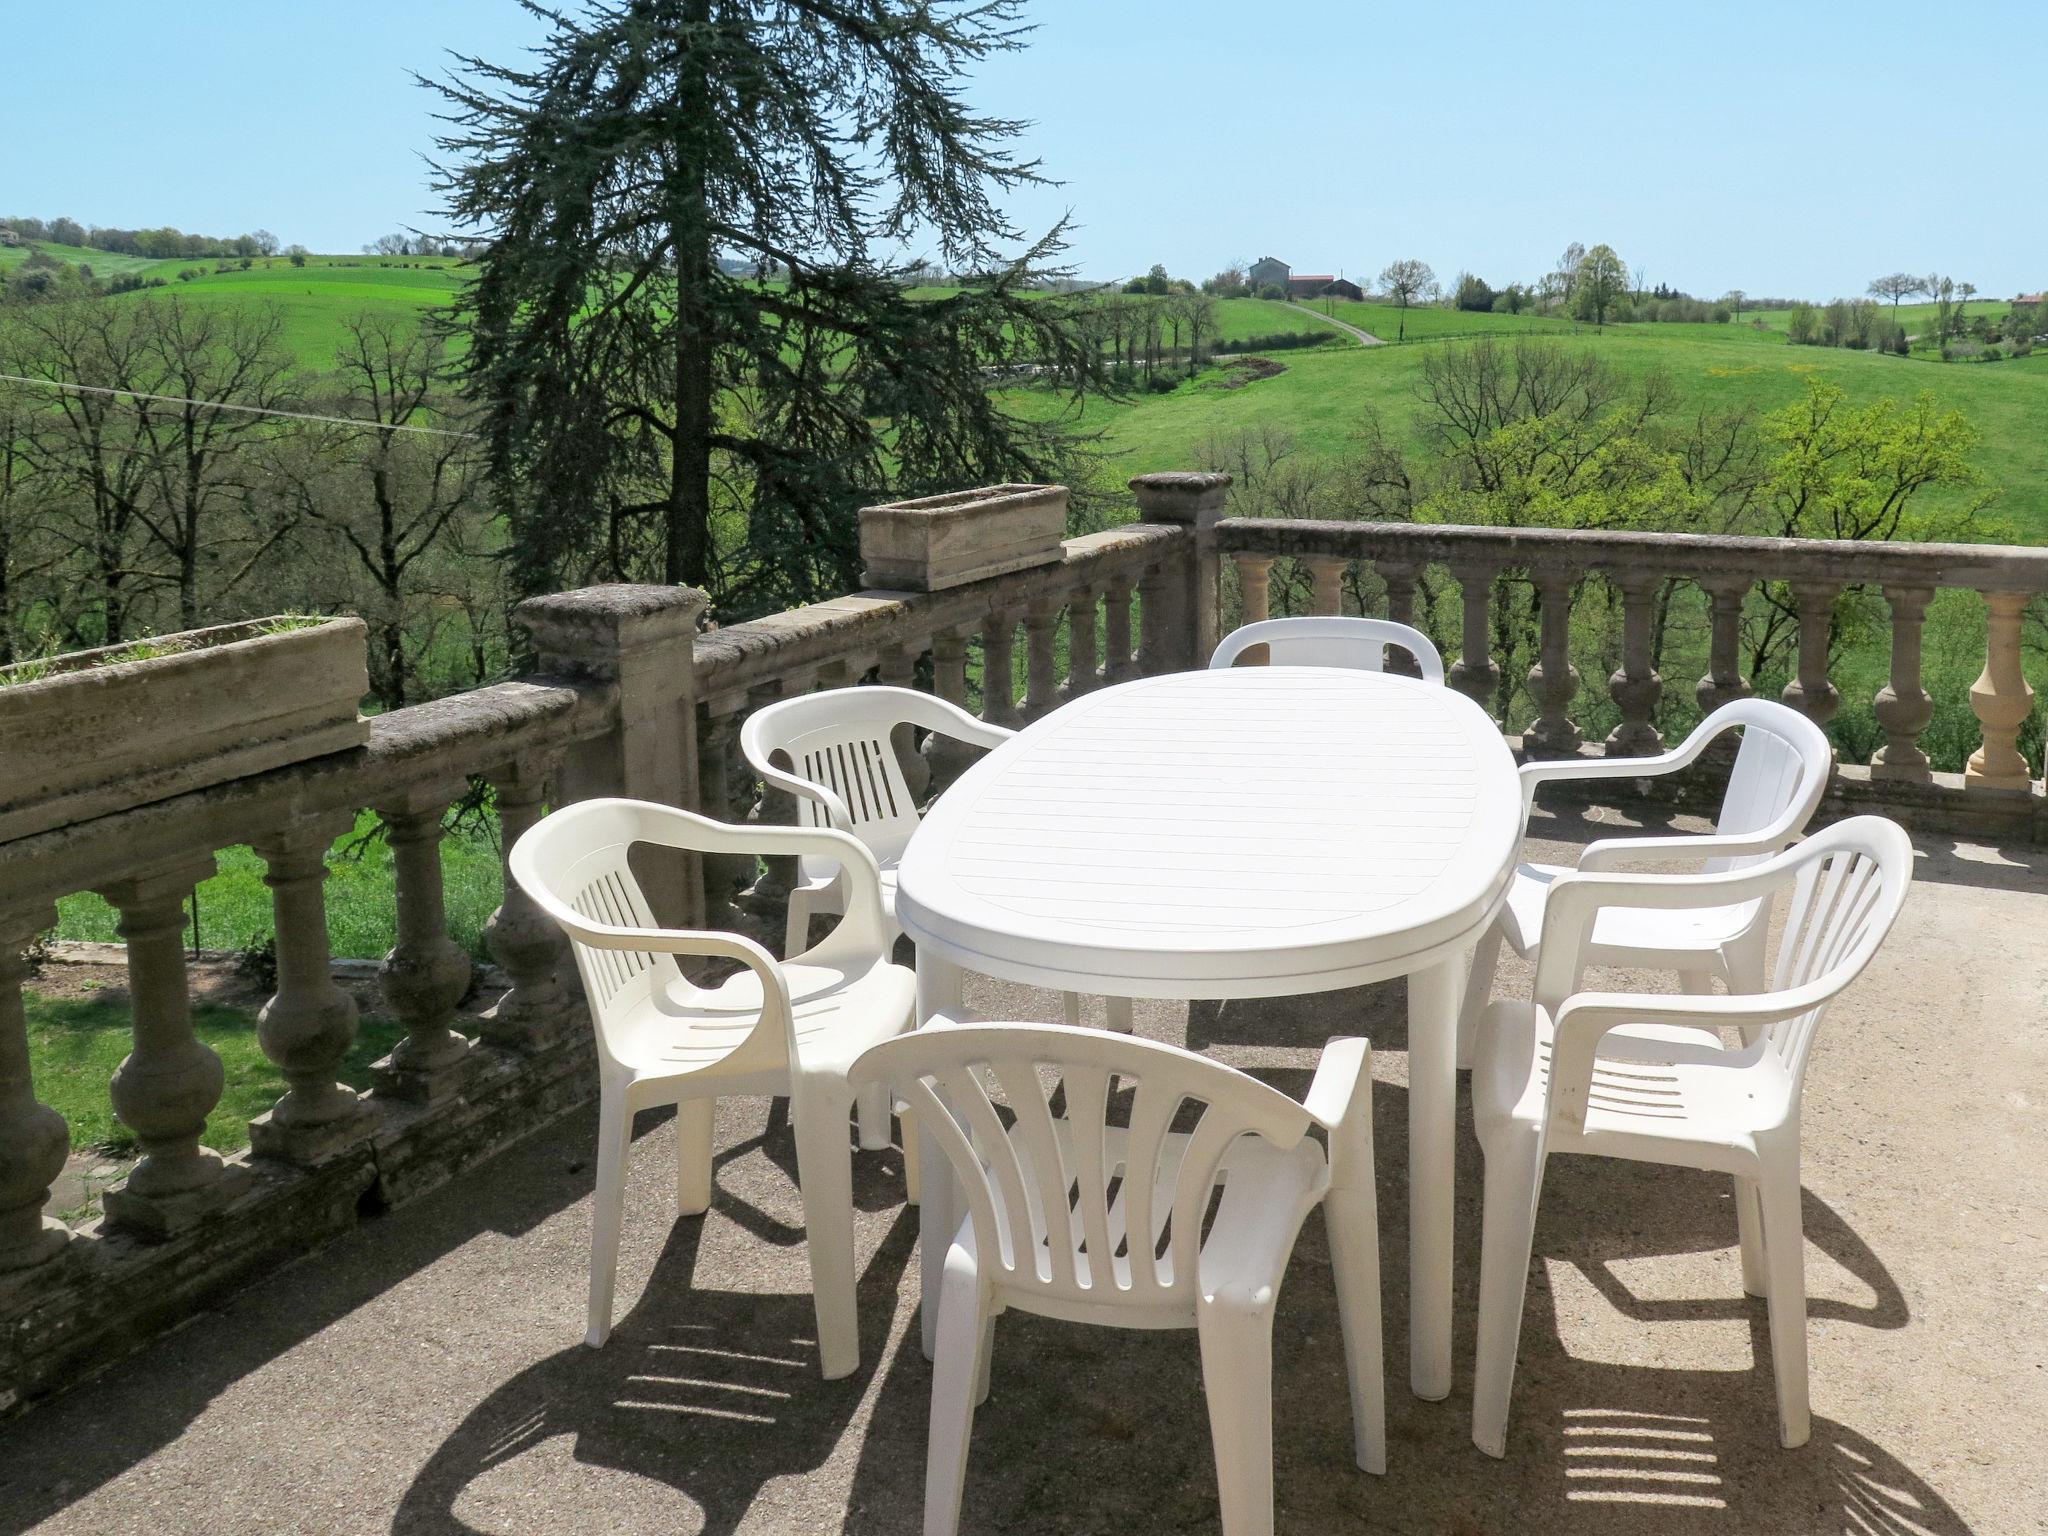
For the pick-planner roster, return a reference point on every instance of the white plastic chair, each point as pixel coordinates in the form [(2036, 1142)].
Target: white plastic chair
[(1646, 1077), (833, 751), (1049, 1203), (1330, 641), (791, 1028), (1778, 777)]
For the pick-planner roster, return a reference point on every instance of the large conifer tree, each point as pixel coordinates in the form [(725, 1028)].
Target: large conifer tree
[(687, 325)]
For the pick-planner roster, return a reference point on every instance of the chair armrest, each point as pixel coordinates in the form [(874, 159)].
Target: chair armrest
[(713, 943), (1340, 1100), (1575, 901), (837, 814), (1584, 1020), (929, 712), (1608, 852)]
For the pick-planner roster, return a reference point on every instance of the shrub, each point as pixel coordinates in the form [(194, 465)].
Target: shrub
[(1992, 355)]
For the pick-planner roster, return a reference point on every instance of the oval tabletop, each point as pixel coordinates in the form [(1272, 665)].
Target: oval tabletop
[(1241, 833)]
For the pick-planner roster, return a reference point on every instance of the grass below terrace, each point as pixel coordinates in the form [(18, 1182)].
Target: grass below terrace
[(75, 1043), (234, 906)]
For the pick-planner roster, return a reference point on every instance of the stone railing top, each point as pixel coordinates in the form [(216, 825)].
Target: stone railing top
[(742, 656), (1984, 567), (444, 740)]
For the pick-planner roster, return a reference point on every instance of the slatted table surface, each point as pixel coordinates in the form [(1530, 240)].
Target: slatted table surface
[(1221, 834)]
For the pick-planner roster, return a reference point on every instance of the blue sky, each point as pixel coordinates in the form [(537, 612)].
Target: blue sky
[(1795, 148)]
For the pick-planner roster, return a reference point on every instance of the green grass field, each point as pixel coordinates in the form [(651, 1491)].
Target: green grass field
[(75, 1043), (103, 263)]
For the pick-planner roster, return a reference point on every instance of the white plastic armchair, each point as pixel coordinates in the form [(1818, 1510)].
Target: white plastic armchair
[(1073, 1218), (1646, 1077), (792, 1027), (1331, 641), (1774, 785), (833, 751)]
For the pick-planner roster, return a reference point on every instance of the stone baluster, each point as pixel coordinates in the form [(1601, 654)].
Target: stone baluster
[(1723, 682), (725, 790), (1553, 681), (1083, 670), (1041, 657), (1636, 685), (524, 940), (1810, 692), (1117, 663), (1903, 707), (1179, 620), (1399, 577), (2001, 699), (1474, 673), (948, 758), (171, 1081), (34, 1139), (999, 669), (899, 670), (426, 973), (1255, 586), (309, 1023), (1326, 584)]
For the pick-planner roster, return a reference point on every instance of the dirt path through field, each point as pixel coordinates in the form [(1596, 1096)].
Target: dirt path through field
[(1365, 338)]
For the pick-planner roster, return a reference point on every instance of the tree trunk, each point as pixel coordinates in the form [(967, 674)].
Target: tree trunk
[(689, 498)]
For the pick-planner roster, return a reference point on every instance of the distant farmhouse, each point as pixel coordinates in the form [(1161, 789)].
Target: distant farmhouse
[(1322, 286), (1268, 272), (1271, 272), (9, 237), (2032, 298)]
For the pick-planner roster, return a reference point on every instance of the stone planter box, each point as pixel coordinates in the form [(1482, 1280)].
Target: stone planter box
[(946, 541), (91, 733)]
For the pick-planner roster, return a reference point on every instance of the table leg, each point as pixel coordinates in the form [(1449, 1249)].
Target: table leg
[(1432, 1171), (939, 987)]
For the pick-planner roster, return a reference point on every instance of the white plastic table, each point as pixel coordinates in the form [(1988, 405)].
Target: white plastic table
[(1258, 832)]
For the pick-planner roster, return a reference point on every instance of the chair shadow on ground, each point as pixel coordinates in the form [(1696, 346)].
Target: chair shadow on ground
[(1617, 1444)]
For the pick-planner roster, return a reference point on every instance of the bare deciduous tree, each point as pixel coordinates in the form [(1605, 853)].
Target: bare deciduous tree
[(1405, 280)]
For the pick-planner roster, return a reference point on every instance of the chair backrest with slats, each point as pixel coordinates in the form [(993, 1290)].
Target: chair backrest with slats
[(842, 739), (1331, 641), (579, 859), (1850, 884), (1781, 767), (1071, 1212)]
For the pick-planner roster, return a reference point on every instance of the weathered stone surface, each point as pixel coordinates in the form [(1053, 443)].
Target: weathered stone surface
[(937, 542), (230, 701)]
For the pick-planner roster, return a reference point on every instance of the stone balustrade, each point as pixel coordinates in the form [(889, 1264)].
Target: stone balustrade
[(1641, 570)]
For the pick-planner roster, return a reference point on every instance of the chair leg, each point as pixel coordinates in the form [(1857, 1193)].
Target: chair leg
[(1478, 993), (693, 1155), (824, 1172), (1116, 1014), (1696, 983), (871, 1116), (956, 1365), (912, 1151), (1749, 1232), (796, 932), (1785, 1259), (1352, 1220), (607, 1210), (1514, 1181), (984, 1356), (1070, 1005), (1237, 1378)]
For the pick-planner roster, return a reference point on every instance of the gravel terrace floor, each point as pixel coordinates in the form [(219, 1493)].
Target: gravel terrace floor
[(426, 1375)]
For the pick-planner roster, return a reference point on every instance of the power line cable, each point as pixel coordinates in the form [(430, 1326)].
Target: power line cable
[(224, 405)]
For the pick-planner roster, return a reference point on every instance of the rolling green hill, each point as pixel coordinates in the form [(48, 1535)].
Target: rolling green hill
[(1322, 397)]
